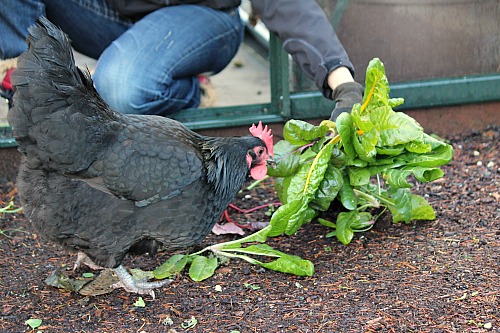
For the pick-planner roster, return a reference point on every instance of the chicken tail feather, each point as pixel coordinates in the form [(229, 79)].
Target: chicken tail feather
[(58, 119)]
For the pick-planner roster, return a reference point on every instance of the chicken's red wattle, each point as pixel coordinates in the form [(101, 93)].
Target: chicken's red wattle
[(258, 172)]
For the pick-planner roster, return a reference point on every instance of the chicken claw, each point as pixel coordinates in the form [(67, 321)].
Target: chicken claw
[(132, 285), (82, 258)]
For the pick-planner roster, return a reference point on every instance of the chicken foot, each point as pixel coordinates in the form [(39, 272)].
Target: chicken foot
[(127, 281), (132, 285), (84, 259)]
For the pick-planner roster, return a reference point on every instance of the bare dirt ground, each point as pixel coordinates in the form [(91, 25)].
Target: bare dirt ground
[(432, 276)]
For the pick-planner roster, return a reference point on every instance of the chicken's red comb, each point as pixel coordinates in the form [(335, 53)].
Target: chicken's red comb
[(265, 135)]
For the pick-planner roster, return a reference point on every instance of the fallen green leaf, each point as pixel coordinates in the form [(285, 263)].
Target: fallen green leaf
[(252, 286), (139, 303), (60, 280), (33, 323), (190, 323)]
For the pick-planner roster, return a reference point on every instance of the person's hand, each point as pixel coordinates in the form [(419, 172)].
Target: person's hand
[(346, 95)]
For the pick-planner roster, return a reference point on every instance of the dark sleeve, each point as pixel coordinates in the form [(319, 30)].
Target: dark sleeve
[(307, 35)]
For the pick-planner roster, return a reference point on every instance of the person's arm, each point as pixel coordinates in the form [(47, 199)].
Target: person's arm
[(345, 91), (308, 36), (338, 76)]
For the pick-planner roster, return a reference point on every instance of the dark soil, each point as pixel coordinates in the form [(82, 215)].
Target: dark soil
[(432, 276)]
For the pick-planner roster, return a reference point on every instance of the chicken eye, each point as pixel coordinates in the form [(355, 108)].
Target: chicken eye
[(256, 152)]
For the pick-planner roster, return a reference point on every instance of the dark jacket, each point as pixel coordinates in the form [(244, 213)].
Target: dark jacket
[(135, 9), (301, 25)]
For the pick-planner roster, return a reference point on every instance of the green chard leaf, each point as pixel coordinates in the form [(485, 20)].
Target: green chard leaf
[(259, 249), (391, 151), (316, 172), (293, 213), (347, 197), (402, 204), (281, 186), (397, 178), (345, 126), (359, 176), (396, 128), (420, 209), (300, 133), (327, 223), (296, 184), (140, 302), (202, 268), (338, 158), (350, 222), (284, 263), (438, 156), (287, 157), (426, 175), (291, 265), (290, 217), (259, 236), (364, 145), (393, 102), (376, 86), (409, 207), (419, 147), (174, 265), (328, 189)]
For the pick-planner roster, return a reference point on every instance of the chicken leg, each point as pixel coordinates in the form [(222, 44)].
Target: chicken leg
[(84, 259), (132, 285)]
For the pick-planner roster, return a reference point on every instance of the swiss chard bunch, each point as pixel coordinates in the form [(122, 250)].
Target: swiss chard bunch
[(363, 160)]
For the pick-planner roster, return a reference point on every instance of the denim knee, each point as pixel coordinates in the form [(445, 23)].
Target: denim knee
[(131, 90), (114, 88)]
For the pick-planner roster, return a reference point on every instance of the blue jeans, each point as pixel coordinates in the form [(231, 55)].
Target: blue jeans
[(144, 67)]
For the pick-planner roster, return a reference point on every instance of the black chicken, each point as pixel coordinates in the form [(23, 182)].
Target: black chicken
[(108, 184)]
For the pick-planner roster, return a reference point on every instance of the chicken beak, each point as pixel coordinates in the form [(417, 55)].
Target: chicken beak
[(270, 162)]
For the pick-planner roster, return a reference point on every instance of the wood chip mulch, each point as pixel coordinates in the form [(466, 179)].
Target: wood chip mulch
[(426, 276)]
